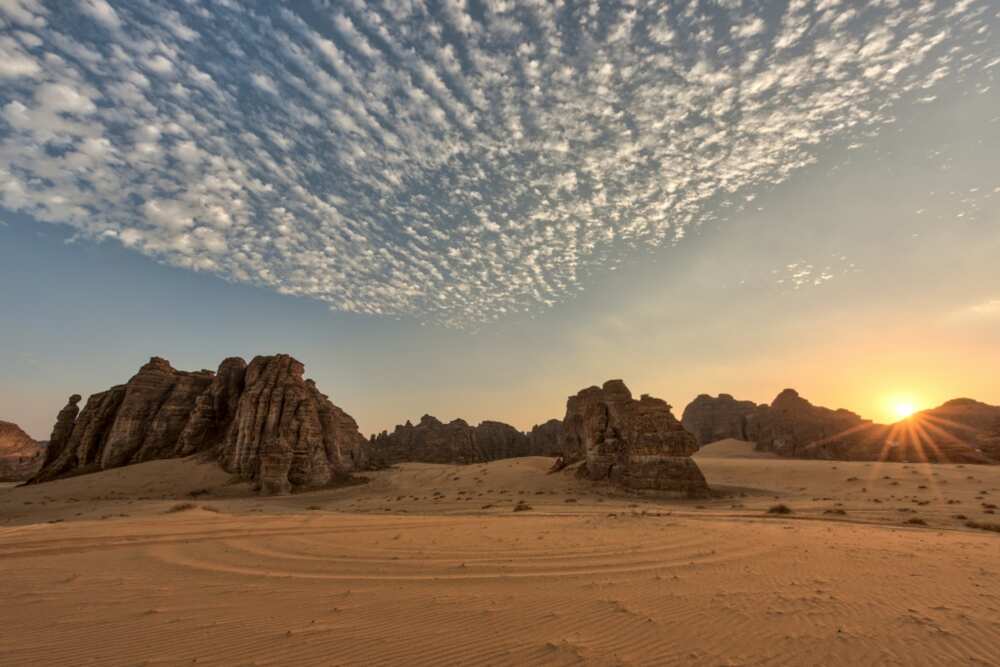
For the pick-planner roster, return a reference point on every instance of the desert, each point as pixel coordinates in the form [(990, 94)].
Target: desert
[(433, 333), (169, 562)]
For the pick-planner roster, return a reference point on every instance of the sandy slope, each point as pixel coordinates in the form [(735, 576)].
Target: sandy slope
[(428, 565)]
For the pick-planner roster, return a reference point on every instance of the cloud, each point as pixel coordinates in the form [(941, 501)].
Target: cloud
[(989, 309), (101, 12), (454, 166)]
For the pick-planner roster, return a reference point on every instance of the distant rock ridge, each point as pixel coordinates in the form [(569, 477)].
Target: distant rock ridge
[(261, 420), (432, 441), (20, 455), (961, 430), (711, 419), (547, 439), (635, 444)]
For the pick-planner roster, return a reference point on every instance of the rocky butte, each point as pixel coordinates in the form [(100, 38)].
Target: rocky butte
[(711, 419), (20, 455), (634, 444), (261, 421)]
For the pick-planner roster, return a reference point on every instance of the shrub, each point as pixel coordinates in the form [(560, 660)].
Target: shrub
[(980, 525)]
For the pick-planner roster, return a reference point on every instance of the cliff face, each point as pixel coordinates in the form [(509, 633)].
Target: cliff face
[(635, 444), (711, 419), (20, 455), (432, 441), (262, 421)]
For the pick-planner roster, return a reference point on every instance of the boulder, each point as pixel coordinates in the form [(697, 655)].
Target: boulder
[(711, 419), (262, 421), (635, 444), (20, 455)]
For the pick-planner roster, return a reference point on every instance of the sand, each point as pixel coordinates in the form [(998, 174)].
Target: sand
[(429, 565)]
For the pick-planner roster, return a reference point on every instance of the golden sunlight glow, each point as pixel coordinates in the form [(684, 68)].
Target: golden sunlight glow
[(902, 410)]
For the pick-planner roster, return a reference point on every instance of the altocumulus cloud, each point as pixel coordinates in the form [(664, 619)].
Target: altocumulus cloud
[(452, 161)]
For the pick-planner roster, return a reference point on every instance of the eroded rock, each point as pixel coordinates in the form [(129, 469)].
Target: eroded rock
[(546, 439), (20, 455), (262, 421), (710, 419), (635, 444), (432, 441)]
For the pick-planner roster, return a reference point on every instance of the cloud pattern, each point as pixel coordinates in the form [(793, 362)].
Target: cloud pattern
[(449, 160)]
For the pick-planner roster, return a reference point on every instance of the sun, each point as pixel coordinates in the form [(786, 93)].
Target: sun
[(902, 409)]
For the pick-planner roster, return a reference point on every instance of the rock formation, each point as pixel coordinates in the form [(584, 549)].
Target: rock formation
[(636, 444), (20, 455), (432, 441), (263, 421), (546, 439), (957, 431), (62, 429), (711, 419), (791, 423)]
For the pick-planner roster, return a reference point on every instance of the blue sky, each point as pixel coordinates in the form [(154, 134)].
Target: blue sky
[(475, 209)]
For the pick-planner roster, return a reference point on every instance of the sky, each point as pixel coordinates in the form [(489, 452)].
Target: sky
[(474, 209)]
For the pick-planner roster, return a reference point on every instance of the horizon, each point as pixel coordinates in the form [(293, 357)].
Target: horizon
[(892, 403), (474, 211)]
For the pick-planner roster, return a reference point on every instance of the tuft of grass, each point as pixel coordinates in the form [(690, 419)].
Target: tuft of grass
[(181, 507), (522, 506), (837, 511), (916, 521), (982, 525), (314, 508), (780, 509)]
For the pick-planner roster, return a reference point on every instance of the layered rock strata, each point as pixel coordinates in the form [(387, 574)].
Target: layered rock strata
[(262, 421)]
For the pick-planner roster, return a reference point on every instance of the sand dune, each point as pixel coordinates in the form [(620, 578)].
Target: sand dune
[(429, 565)]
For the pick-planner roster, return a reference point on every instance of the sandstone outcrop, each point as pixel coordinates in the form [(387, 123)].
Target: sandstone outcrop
[(433, 441), (546, 439), (711, 419), (791, 423), (959, 431), (63, 429), (262, 421), (635, 444), (20, 455)]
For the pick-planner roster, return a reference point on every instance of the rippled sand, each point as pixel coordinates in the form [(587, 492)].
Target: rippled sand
[(429, 565)]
